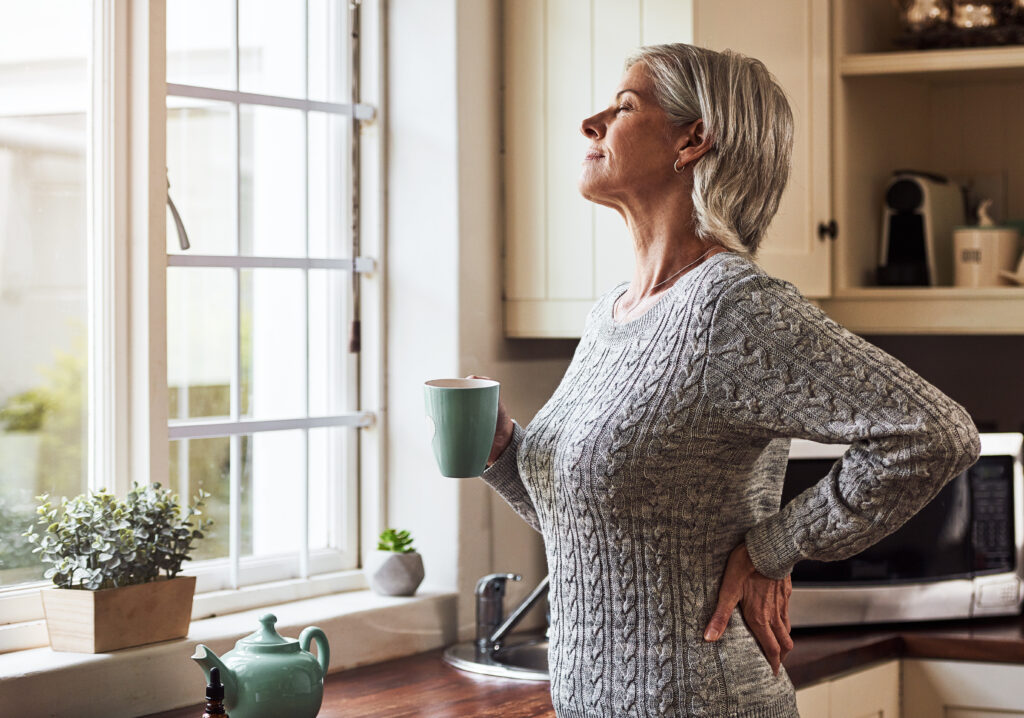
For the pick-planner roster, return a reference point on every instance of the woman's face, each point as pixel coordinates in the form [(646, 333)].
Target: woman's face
[(632, 146)]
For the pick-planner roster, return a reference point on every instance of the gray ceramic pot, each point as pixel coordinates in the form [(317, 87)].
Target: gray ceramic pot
[(395, 574)]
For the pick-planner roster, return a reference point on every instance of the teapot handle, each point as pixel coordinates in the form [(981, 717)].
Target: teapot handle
[(323, 650)]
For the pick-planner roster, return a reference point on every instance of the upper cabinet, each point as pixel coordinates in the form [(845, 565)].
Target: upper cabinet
[(862, 109), (792, 40), (563, 61)]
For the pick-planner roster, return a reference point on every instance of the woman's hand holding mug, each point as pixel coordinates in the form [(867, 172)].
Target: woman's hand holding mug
[(503, 429)]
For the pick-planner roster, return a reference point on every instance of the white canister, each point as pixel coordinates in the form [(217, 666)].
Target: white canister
[(980, 253)]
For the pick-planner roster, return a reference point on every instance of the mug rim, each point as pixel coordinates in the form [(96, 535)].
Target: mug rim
[(462, 383)]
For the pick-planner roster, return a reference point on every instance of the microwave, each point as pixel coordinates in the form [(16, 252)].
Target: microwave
[(961, 556)]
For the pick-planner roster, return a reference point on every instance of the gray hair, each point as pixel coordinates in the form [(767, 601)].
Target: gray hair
[(737, 184)]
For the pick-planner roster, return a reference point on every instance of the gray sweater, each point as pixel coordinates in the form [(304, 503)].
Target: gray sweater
[(665, 446)]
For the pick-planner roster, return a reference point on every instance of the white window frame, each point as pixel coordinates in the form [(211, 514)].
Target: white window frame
[(129, 431)]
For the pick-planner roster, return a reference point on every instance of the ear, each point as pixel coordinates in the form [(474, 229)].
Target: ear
[(693, 143)]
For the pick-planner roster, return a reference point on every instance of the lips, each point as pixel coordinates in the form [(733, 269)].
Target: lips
[(594, 155)]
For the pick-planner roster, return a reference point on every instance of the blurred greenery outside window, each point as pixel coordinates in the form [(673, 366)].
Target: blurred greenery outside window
[(44, 101)]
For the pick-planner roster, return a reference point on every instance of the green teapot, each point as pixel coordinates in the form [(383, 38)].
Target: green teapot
[(267, 676)]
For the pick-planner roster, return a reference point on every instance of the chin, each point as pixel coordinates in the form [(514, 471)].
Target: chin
[(589, 192)]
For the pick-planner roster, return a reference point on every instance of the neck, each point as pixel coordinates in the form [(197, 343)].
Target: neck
[(664, 240), (664, 243)]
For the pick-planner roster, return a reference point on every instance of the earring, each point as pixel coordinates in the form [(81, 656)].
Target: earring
[(677, 169)]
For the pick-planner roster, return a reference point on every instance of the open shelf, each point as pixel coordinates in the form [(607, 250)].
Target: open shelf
[(926, 293), (941, 65), (944, 310)]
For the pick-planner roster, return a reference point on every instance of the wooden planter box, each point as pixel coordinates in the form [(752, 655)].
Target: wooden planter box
[(113, 618)]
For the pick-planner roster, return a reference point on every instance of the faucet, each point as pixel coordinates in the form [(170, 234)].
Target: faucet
[(491, 628)]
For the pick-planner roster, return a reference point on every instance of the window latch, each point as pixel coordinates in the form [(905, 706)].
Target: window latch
[(182, 235)]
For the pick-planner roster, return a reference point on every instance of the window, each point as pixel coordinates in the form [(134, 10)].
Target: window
[(44, 108), (262, 387), (260, 402)]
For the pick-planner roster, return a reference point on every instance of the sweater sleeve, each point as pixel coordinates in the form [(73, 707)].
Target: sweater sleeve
[(778, 366), (503, 476)]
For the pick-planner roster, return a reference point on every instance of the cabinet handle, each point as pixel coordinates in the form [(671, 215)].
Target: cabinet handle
[(830, 230)]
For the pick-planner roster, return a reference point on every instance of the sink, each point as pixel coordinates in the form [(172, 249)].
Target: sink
[(522, 655), (497, 651)]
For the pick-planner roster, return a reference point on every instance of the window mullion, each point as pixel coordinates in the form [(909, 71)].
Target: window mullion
[(304, 510), (107, 212)]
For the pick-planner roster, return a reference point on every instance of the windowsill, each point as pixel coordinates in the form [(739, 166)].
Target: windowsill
[(361, 628)]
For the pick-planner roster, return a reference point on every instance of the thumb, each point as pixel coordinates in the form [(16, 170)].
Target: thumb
[(720, 618)]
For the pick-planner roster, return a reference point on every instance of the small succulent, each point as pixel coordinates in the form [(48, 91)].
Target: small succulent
[(395, 541), (95, 541)]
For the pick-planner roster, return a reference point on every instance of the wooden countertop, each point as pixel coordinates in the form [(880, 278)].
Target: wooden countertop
[(424, 685)]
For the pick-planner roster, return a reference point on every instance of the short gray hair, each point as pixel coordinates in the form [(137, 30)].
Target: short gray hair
[(737, 185)]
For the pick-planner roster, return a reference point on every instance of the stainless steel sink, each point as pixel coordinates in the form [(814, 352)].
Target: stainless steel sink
[(496, 651), (524, 656)]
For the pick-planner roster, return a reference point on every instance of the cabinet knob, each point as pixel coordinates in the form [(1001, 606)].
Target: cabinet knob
[(830, 230)]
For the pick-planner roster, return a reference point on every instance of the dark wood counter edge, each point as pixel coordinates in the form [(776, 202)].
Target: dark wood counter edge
[(404, 686), (819, 654)]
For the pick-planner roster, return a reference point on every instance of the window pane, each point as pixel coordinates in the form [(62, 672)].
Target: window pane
[(273, 343), (44, 98), (275, 468), (330, 172), (273, 182), (205, 464), (201, 171), (328, 58), (327, 466), (271, 47), (199, 40), (200, 330), (329, 360)]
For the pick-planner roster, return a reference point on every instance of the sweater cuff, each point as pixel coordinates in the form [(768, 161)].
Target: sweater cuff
[(772, 548), (505, 468)]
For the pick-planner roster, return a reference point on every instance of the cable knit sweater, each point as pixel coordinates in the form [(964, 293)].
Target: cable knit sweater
[(665, 446)]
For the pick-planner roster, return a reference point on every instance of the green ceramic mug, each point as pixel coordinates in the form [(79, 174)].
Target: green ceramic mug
[(464, 414)]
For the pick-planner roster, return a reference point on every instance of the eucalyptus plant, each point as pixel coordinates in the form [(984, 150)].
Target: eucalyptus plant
[(395, 541), (95, 541)]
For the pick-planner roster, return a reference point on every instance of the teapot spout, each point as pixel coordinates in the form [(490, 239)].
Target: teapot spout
[(207, 659)]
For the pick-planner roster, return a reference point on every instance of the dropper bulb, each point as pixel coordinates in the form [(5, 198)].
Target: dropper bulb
[(215, 689)]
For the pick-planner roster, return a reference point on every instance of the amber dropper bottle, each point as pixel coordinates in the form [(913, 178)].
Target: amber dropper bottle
[(215, 696)]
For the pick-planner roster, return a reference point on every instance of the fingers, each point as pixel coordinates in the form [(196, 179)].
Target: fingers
[(783, 640), (761, 627), (728, 597), (765, 608), (787, 592)]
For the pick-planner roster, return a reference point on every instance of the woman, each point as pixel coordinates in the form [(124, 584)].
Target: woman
[(654, 472)]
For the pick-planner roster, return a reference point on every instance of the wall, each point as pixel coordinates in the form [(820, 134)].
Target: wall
[(444, 293), (985, 373)]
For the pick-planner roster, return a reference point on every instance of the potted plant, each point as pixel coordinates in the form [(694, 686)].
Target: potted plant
[(115, 564), (395, 568)]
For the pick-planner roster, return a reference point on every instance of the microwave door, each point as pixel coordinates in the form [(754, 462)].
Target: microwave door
[(934, 544)]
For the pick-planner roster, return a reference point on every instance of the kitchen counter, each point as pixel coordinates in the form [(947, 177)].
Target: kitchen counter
[(424, 685)]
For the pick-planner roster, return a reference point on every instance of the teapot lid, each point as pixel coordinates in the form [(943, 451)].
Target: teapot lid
[(267, 639)]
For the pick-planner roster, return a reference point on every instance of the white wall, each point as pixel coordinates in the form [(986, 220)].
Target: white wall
[(445, 286)]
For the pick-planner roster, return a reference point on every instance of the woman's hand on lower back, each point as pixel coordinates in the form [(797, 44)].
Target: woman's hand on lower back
[(763, 601), (503, 429)]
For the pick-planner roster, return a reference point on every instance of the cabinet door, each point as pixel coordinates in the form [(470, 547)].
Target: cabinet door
[(812, 702), (562, 62), (791, 37), (870, 693), (962, 689)]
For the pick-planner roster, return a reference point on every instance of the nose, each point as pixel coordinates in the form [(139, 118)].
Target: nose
[(592, 127)]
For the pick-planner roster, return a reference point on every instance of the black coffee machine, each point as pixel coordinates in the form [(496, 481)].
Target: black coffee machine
[(921, 210)]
